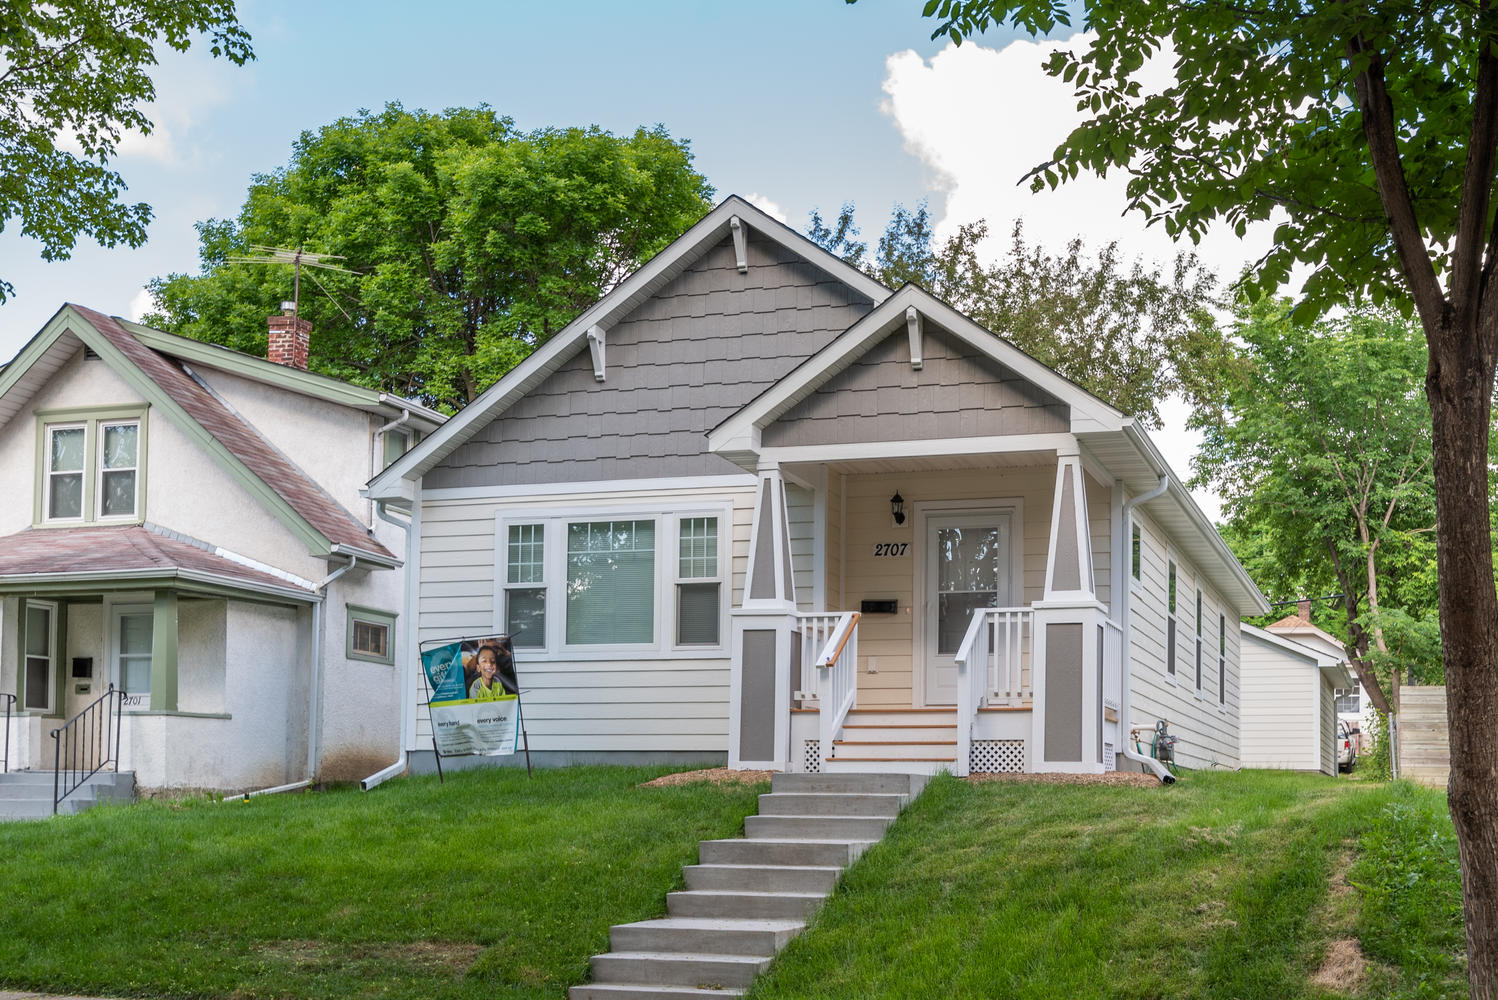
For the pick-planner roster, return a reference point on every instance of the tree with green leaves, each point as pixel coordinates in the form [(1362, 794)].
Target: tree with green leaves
[(1320, 448), (1368, 135), (1132, 334), (74, 76), (471, 243)]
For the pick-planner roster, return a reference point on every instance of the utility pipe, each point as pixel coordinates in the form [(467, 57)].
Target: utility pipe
[(399, 767), (1126, 695), (247, 796), (377, 445)]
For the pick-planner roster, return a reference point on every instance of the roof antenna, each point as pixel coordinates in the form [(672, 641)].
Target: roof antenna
[(297, 259)]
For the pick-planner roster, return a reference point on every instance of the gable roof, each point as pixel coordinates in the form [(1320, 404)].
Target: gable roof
[(131, 554), (297, 380), (742, 429), (1333, 668), (282, 488), (613, 306)]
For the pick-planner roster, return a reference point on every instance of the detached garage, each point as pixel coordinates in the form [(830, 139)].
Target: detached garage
[(1289, 703)]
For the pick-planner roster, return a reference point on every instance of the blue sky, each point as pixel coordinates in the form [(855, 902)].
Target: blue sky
[(795, 103)]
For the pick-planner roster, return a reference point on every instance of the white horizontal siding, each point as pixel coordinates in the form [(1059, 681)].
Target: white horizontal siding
[(1280, 712), (663, 702), (1208, 736)]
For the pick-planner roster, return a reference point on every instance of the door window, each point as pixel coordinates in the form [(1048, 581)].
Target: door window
[(967, 579), (41, 657), (132, 636)]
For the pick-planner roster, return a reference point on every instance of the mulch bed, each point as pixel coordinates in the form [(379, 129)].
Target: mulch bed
[(723, 776)]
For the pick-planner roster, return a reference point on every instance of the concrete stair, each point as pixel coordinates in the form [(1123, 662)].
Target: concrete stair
[(28, 794), (896, 740), (747, 898)]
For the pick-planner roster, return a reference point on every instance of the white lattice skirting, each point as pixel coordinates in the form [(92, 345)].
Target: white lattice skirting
[(812, 757), (997, 757)]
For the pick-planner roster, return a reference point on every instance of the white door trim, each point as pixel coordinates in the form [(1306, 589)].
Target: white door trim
[(924, 509)]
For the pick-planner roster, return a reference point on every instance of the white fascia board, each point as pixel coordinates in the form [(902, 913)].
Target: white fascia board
[(1313, 657), (1088, 412), (926, 448), (605, 312)]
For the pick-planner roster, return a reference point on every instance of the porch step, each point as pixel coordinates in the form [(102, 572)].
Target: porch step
[(28, 794), (747, 898), (901, 717)]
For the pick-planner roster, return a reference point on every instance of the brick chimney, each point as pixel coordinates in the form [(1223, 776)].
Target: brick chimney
[(1303, 608), (290, 337)]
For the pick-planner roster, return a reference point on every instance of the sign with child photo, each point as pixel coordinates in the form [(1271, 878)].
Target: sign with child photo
[(475, 697)]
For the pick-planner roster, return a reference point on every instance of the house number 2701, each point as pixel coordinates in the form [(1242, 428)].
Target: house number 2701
[(882, 549)]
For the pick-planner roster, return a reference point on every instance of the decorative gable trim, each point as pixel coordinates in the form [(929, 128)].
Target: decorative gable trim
[(913, 327), (740, 244), (624, 298), (596, 336)]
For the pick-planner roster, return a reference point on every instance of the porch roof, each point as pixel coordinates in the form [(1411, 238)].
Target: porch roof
[(131, 556)]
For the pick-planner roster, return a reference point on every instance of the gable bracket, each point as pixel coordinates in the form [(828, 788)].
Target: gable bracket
[(740, 243), (596, 336), (913, 327)]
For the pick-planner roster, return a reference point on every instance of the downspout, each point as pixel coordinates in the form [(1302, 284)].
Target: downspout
[(1127, 624), (314, 687), (376, 454), (399, 767)]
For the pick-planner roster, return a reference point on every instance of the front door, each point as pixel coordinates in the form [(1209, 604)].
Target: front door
[(967, 568)]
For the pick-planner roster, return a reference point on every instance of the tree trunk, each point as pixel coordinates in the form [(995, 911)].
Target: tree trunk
[(1458, 387)]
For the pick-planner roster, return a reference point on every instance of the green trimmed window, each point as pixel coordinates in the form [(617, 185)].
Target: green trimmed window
[(90, 465), (370, 635)]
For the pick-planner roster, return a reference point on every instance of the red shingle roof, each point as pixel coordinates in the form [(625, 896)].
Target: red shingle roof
[(313, 505), (66, 551)]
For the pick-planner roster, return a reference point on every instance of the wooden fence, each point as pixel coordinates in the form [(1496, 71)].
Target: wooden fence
[(1424, 747)]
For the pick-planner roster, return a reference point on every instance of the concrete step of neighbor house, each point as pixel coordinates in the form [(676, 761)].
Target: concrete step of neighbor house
[(28, 794), (748, 897)]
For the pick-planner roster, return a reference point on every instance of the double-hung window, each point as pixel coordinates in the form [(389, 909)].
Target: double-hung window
[(1198, 641), (586, 584), (1136, 550), (1222, 660), (1170, 620), (90, 466)]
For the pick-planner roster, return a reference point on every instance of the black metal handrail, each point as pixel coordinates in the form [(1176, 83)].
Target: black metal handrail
[(9, 701), (85, 744)]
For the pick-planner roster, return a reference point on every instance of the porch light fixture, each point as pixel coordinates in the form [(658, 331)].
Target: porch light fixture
[(897, 507)]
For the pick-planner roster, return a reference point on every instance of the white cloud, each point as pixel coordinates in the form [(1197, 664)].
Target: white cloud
[(767, 206), (140, 304), (979, 119)]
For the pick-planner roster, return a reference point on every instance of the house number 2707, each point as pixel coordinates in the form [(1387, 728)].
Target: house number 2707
[(889, 549)]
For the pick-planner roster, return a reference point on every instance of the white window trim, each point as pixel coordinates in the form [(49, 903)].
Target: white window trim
[(1136, 583), (725, 527), (48, 473), (100, 427), (1222, 660), (667, 517), (51, 607)]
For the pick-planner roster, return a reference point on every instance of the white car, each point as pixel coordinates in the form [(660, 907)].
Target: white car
[(1347, 747)]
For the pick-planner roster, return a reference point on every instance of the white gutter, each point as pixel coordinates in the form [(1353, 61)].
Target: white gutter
[(1125, 708), (376, 448), (314, 684), (399, 767)]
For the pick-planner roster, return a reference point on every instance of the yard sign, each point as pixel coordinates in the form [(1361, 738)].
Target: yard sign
[(475, 702)]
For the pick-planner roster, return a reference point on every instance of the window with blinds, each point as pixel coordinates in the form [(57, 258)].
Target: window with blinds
[(610, 583)]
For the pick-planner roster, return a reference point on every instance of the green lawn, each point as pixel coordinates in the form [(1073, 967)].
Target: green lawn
[(490, 886), (1223, 886)]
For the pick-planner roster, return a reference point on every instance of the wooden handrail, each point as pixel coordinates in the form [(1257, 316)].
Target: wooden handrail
[(852, 623)]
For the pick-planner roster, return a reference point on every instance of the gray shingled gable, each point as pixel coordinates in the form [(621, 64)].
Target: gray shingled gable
[(680, 363), (880, 397)]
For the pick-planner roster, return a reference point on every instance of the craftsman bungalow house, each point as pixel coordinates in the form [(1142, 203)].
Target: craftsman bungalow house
[(754, 506), (183, 522)]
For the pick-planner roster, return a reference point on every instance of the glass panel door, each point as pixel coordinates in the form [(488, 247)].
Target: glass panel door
[(41, 657), (967, 569), (131, 638)]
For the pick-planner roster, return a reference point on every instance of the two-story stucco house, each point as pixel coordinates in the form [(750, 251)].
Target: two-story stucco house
[(754, 506), (184, 523)]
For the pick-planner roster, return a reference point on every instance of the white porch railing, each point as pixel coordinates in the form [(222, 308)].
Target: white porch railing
[(990, 669), (829, 669), (1112, 664)]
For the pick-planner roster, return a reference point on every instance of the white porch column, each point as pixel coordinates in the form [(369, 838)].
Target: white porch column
[(765, 642), (1066, 662)]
